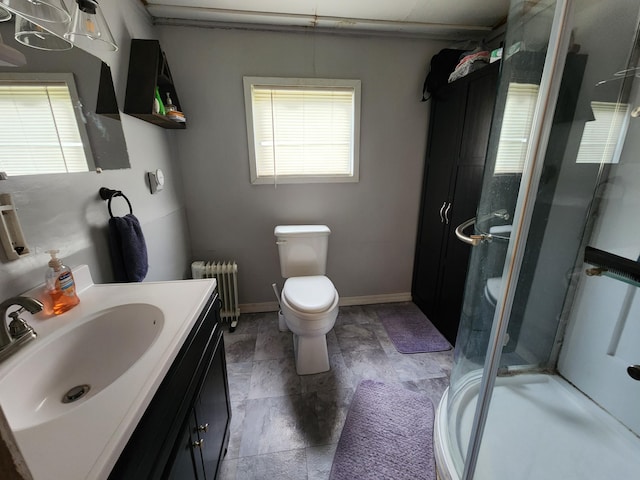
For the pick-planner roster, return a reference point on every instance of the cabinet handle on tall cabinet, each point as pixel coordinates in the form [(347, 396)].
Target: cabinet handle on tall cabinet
[(203, 428), (446, 214), (198, 443), (441, 209)]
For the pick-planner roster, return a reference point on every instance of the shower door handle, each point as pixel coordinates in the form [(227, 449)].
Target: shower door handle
[(472, 240)]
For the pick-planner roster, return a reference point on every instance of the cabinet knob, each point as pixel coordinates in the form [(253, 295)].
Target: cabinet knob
[(203, 428), (198, 444)]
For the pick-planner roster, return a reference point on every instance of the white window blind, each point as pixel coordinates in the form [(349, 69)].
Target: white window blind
[(38, 130), (302, 130), (600, 136), (516, 127)]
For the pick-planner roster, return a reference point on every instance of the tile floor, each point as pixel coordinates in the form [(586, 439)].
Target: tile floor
[(286, 426)]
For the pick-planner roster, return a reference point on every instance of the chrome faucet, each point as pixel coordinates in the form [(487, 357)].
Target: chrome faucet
[(18, 332)]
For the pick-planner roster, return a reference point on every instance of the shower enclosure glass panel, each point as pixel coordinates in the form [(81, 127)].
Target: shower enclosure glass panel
[(524, 54), (563, 172)]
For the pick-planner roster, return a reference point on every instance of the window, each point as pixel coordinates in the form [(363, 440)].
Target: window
[(302, 130), (601, 136), (516, 127), (39, 132)]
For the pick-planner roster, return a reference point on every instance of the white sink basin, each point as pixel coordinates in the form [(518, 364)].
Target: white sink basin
[(90, 356)]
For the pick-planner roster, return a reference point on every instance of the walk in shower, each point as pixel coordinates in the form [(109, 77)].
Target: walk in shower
[(546, 369)]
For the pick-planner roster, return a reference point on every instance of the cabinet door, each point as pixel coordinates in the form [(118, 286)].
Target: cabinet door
[(445, 125), (187, 464), (480, 100), (465, 194), (468, 182), (213, 412)]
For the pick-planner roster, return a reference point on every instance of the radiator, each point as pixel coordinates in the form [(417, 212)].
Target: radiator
[(226, 275)]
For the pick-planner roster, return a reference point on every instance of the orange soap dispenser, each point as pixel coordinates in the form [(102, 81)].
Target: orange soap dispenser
[(60, 285)]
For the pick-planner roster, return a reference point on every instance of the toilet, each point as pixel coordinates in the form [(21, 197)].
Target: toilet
[(309, 301)]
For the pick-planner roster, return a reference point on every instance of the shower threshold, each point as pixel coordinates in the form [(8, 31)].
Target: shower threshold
[(539, 427)]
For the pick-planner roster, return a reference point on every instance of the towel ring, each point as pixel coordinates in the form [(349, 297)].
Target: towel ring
[(108, 194)]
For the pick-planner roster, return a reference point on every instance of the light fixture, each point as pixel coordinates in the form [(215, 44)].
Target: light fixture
[(33, 35), (10, 57), (89, 29), (5, 15), (54, 11)]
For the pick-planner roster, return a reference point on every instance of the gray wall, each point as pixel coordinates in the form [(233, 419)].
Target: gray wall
[(374, 221), (64, 211)]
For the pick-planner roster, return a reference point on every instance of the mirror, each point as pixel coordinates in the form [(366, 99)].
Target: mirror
[(96, 96)]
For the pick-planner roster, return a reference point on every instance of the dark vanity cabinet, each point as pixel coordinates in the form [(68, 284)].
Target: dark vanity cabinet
[(184, 432), (204, 435), (459, 127), (148, 70)]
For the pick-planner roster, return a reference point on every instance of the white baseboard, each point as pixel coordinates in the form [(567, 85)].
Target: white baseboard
[(344, 302)]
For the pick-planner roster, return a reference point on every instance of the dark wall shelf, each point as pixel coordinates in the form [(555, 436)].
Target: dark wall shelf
[(148, 69)]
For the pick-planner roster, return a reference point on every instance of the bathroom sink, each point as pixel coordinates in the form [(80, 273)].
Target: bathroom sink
[(70, 368)]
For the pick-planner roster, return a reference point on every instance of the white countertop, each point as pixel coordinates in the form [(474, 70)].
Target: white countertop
[(86, 442)]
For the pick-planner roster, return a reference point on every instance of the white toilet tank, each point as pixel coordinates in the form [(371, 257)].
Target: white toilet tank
[(302, 249)]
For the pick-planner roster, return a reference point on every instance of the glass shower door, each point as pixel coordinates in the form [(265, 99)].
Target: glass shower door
[(524, 54), (562, 173)]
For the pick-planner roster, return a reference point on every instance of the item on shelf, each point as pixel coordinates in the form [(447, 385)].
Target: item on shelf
[(470, 63), (169, 106), (157, 104), (176, 116), (495, 55)]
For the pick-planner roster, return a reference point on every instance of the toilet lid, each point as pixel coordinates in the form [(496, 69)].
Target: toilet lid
[(312, 294)]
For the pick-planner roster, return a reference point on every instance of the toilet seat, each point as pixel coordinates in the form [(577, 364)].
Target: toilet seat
[(492, 289), (309, 294)]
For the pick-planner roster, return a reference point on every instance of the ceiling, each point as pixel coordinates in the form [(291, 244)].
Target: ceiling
[(441, 19)]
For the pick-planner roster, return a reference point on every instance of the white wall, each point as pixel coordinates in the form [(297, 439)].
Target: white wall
[(65, 212), (373, 222)]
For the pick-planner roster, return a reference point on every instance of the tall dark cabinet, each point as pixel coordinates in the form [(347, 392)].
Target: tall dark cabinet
[(459, 126)]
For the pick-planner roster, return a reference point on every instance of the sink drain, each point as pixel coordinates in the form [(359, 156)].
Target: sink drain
[(75, 393)]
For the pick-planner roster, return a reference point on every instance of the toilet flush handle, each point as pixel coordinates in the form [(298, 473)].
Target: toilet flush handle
[(281, 242)]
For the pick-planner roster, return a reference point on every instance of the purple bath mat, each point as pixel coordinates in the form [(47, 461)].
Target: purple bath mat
[(410, 330), (388, 434)]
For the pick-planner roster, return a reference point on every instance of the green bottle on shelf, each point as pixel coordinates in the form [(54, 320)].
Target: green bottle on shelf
[(160, 105)]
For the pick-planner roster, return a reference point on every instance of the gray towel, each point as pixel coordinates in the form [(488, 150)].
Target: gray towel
[(128, 249)]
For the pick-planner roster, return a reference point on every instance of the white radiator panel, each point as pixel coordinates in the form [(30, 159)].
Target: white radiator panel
[(226, 275)]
